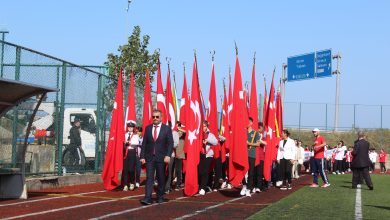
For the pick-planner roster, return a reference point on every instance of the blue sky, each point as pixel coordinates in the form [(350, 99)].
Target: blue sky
[(85, 31)]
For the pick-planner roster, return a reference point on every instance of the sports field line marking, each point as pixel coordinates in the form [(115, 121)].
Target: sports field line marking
[(208, 208), (358, 205), (69, 207), (44, 199), (135, 209)]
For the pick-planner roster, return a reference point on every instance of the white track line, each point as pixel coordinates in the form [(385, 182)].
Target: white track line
[(358, 205), (135, 209), (70, 207), (208, 208), (44, 199)]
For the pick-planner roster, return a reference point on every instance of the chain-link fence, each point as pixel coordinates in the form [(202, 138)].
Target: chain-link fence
[(322, 115), (81, 96)]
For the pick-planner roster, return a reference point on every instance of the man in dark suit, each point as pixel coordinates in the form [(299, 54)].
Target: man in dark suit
[(156, 151), (361, 162)]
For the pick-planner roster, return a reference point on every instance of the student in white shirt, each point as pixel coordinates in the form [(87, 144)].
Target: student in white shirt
[(129, 163), (373, 155), (286, 158), (340, 157)]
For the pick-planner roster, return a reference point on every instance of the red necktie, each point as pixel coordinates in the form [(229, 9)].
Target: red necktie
[(155, 132)]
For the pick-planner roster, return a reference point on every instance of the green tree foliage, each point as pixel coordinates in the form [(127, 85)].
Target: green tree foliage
[(133, 56)]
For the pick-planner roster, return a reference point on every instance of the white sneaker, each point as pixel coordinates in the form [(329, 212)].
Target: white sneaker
[(342, 173), (202, 192), (223, 186), (243, 190), (229, 186), (258, 190), (125, 188), (279, 183), (253, 190), (136, 185), (132, 187), (248, 193)]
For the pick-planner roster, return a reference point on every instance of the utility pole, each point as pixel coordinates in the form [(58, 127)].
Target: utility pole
[(337, 72), (3, 33)]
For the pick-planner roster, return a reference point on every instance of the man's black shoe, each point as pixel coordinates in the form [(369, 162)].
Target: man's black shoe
[(354, 187), (371, 187), (162, 200), (146, 202)]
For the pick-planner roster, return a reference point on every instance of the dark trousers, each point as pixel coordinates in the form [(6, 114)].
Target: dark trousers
[(129, 168), (137, 169), (372, 167), (339, 166), (217, 172), (259, 169), (358, 173), (153, 167), (318, 169), (168, 176), (285, 170), (275, 172), (249, 181), (179, 171), (203, 170), (383, 166), (225, 166), (74, 152)]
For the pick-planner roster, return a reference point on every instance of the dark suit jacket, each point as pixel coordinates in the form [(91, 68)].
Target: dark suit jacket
[(162, 147), (360, 154)]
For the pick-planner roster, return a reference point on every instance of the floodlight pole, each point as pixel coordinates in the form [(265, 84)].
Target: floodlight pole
[(337, 72), (2, 51)]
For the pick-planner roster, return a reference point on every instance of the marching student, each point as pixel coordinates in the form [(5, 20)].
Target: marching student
[(129, 163), (340, 157), (382, 160), (206, 157), (373, 155), (253, 141), (138, 157), (318, 160), (286, 158), (179, 157), (260, 184)]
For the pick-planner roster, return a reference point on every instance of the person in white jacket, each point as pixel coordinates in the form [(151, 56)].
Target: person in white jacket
[(286, 158), (299, 155)]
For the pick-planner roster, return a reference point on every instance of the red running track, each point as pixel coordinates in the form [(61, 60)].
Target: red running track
[(92, 202)]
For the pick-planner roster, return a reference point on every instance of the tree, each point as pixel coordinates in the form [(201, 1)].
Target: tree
[(133, 56)]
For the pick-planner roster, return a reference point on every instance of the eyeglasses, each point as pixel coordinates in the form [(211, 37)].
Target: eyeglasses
[(155, 116)]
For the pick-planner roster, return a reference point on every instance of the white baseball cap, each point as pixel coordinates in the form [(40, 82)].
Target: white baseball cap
[(316, 130)]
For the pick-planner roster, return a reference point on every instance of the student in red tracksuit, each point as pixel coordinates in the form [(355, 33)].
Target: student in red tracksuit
[(318, 160), (382, 160)]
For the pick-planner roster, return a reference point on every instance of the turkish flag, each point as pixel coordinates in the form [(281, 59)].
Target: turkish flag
[(171, 115), (184, 103), (265, 104), (225, 127), (193, 139), (130, 110), (238, 163), (147, 113), (212, 112), (271, 137), (113, 162), (160, 95), (279, 112), (254, 110)]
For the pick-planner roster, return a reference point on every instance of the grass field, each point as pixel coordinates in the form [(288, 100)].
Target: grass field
[(335, 202)]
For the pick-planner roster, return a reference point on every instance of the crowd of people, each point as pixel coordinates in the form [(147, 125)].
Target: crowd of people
[(167, 163)]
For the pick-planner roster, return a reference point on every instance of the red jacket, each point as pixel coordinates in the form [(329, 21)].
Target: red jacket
[(382, 157)]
